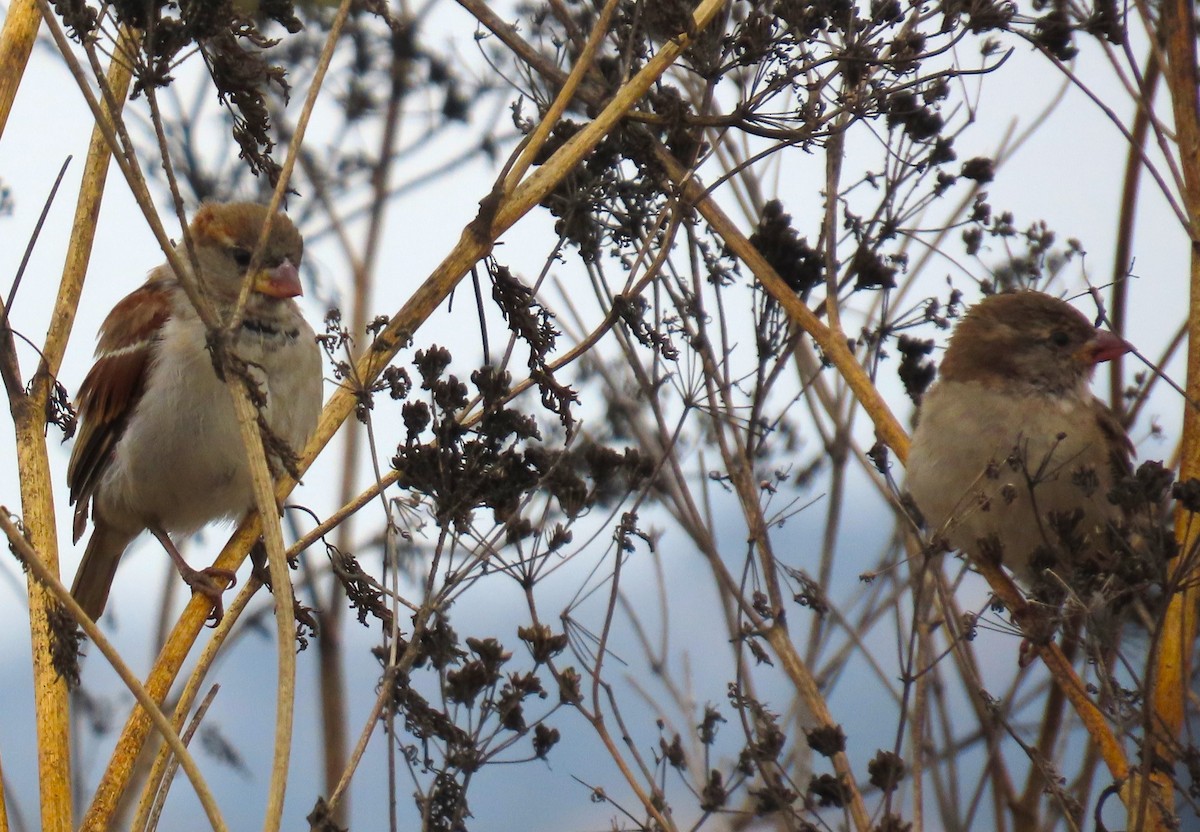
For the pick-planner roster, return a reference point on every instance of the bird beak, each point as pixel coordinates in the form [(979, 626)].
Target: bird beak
[(1104, 346), (283, 281)]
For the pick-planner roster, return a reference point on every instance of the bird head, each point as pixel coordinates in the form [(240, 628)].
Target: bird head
[(225, 236), (1029, 337)]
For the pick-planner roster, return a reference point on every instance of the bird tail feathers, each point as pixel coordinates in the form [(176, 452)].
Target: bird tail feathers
[(98, 567)]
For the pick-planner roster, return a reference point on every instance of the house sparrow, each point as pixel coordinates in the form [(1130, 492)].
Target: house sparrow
[(159, 447), (1013, 458)]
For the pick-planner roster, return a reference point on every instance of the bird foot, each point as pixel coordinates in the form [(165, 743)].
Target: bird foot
[(211, 583), (261, 567)]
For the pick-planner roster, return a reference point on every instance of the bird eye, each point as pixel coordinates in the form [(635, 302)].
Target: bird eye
[(1060, 338), (241, 256)]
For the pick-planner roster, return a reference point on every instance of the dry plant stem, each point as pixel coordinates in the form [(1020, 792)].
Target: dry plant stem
[(586, 139), (697, 524), (836, 448), (1085, 779), (37, 502), (1125, 68), (742, 478), (921, 670), (1052, 721), (596, 716), (507, 34), (1167, 192), (829, 231), (806, 687), (160, 799), (16, 43), (354, 506), (833, 344), (45, 574), (920, 729), (83, 230), (967, 666), (151, 788), (331, 678), (1174, 654), (967, 669), (114, 132), (583, 66), (295, 146), (3, 805), (360, 748), (1123, 247), (1164, 134), (476, 240), (947, 794), (29, 420), (285, 611), (1093, 719), (50, 694), (224, 629), (633, 289)]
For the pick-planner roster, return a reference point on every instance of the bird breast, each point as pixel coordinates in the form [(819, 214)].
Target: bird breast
[(180, 460), (975, 477)]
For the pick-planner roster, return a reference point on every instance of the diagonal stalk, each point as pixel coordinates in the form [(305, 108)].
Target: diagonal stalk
[(1172, 663)]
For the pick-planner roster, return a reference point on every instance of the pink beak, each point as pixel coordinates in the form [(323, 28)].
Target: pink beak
[(281, 282), (1105, 346)]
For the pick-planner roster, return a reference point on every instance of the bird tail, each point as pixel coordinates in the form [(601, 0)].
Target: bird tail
[(98, 567)]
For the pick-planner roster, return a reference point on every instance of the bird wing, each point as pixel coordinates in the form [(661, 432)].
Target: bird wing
[(1120, 446), (113, 387)]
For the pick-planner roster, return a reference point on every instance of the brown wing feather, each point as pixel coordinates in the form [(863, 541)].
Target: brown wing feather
[(113, 387)]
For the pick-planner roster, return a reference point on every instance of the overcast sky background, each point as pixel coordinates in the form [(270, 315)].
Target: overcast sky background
[(1069, 175)]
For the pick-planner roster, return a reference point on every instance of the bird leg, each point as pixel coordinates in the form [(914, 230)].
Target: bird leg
[(261, 568), (258, 553), (210, 582), (305, 616)]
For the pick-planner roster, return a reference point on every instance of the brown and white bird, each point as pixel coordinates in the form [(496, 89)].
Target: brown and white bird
[(159, 447), (1013, 457)]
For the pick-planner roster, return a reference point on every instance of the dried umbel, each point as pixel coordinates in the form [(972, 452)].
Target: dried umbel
[(226, 34)]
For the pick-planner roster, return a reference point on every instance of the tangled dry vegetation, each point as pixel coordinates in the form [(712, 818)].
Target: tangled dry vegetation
[(662, 431)]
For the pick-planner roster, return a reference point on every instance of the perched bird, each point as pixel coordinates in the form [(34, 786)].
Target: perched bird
[(159, 447), (1013, 458)]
